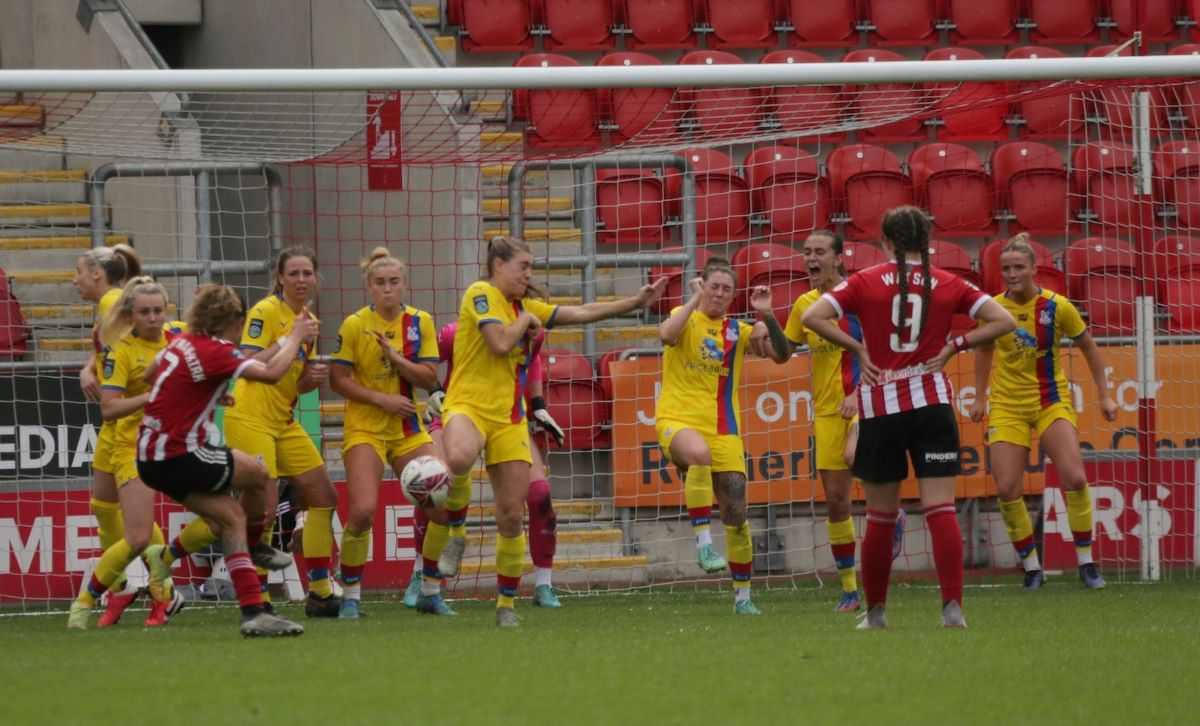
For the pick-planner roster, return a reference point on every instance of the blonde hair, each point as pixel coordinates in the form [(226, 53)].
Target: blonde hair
[(119, 263), (1020, 243), (119, 320), (504, 249), (214, 309), (380, 257)]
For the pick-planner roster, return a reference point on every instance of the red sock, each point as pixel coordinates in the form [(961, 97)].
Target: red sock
[(877, 556), (543, 523), (947, 550), (245, 582), (420, 523), (255, 529)]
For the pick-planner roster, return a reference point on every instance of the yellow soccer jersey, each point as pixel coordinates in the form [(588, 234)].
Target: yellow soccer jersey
[(834, 369), (266, 403), (412, 333), (124, 365), (107, 300), (701, 374), (1028, 375), (492, 387)]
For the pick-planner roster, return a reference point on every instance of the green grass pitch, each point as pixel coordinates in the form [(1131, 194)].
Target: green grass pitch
[(1063, 655)]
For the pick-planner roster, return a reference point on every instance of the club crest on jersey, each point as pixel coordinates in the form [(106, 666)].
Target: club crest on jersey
[(1044, 318), (731, 334), (256, 327), (414, 333), (481, 304)]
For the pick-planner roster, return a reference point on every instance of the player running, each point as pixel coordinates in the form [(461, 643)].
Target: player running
[(384, 351), (262, 423), (174, 456), (1031, 391), (698, 420), (905, 397), (484, 409)]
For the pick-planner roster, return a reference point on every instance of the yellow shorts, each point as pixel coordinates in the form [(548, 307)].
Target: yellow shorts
[(727, 451), (1013, 426), (388, 449), (102, 457), (502, 441), (285, 452), (831, 432), (124, 466)]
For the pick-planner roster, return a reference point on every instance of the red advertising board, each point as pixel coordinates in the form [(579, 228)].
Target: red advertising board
[(384, 150)]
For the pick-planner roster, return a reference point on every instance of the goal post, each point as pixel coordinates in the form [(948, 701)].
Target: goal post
[(616, 175)]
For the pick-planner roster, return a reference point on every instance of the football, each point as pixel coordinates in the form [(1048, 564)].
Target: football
[(425, 482)]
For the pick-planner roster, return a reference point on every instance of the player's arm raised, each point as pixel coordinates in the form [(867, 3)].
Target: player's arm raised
[(671, 328), (776, 346), (281, 360), (591, 312)]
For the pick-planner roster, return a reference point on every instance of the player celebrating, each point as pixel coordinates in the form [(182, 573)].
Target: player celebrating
[(99, 275), (175, 458), (262, 422), (543, 522), (1031, 390), (698, 420), (485, 406), (383, 352), (905, 397), (133, 335)]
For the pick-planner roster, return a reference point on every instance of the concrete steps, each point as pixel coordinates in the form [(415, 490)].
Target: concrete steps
[(37, 152), (42, 186)]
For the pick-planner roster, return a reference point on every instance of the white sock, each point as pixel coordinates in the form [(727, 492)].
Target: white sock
[(1083, 556), (541, 576), (741, 594), (703, 538), (351, 592), (430, 588), (1032, 562)]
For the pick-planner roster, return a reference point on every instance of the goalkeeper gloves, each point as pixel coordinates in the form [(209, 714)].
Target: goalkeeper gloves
[(433, 407), (543, 420)]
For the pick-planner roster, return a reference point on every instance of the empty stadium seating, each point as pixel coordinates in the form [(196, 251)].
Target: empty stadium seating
[(983, 22), (722, 197), (1115, 105), (494, 25), (866, 181), (720, 112), (903, 22), (970, 111), (1064, 22), (631, 206), (556, 117), (787, 189), (1046, 116), (1156, 20), (576, 401), (742, 24), (822, 23), (1105, 173), (1102, 279), (953, 258), (857, 256), (1032, 184), (885, 101), (950, 182), (779, 267), (648, 113), (1177, 270), (1047, 275), (577, 24), (1177, 174), (14, 331), (804, 109), (659, 24)]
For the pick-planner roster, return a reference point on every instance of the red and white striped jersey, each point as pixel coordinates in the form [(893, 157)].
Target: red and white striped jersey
[(192, 375), (874, 296)]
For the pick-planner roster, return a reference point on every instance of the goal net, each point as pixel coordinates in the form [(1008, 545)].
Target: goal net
[(615, 180)]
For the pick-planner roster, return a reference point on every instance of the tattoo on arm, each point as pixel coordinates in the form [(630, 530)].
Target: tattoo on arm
[(730, 488), (779, 341)]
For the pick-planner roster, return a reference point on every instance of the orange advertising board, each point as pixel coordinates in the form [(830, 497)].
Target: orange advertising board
[(777, 424)]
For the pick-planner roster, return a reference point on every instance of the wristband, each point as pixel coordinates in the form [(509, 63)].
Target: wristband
[(282, 341), (961, 345), (537, 402)]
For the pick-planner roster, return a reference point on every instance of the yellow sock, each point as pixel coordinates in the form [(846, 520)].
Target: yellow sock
[(318, 549), (510, 560), (1079, 517), (110, 527), (457, 502), (841, 541), (739, 551), (1020, 531), (109, 570), (698, 495), (435, 541), (156, 535), (195, 536), (354, 557)]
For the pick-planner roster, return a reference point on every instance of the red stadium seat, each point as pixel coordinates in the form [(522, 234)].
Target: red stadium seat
[(577, 24), (1156, 21), (631, 205), (950, 182), (720, 112), (1105, 173), (779, 267), (984, 22), (672, 297), (564, 364), (866, 181), (823, 23), (660, 24), (1047, 275), (872, 104), (786, 187), (491, 26), (804, 109), (1177, 270), (604, 369), (650, 114), (1032, 183), (1064, 22), (1115, 104), (1177, 173), (1187, 95), (953, 258), (969, 111), (556, 117), (903, 22), (14, 331), (575, 399), (1048, 117), (1102, 277), (722, 197), (858, 256), (741, 24)]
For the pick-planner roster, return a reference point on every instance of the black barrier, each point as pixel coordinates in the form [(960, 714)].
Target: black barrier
[(47, 429)]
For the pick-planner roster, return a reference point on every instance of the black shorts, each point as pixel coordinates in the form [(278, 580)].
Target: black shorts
[(208, 470), (928, 434)]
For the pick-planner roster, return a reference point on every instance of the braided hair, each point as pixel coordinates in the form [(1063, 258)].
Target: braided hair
[(907, 228)]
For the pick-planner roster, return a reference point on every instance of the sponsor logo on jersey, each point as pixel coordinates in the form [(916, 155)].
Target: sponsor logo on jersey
[(256, 327), (709, 350), (1024, 339), (481, 304)]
